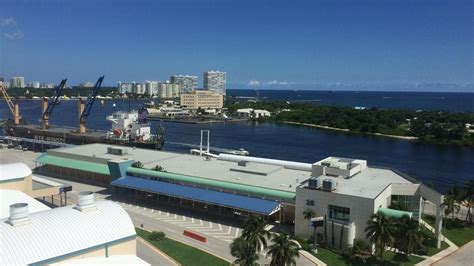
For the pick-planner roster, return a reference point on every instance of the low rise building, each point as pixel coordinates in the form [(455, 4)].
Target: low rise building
[(252, 113), (344, 191), (202, 99)]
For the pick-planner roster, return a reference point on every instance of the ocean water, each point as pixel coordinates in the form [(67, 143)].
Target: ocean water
[(448, 101), (440, 165)]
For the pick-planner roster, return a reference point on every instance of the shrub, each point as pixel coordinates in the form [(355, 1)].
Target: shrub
[(157, 236), (137, 164)]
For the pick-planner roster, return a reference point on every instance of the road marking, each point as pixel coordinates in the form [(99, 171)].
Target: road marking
[(152, 210), (237, 232), (228, 232)]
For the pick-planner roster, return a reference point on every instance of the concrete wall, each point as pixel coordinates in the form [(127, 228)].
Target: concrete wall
[(122, 248), (360, 211), (25, 185)]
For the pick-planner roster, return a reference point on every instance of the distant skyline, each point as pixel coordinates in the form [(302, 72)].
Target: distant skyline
[(360, 45)]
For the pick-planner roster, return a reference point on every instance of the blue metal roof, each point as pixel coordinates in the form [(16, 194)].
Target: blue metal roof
[(224, 199)]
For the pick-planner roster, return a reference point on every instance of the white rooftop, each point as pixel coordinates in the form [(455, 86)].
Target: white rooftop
[(12, 168), (254, 174), (111, 260), (56, 232), (368, 183), (9, 197)]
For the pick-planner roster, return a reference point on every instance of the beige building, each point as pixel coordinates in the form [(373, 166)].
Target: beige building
[(202, 99)]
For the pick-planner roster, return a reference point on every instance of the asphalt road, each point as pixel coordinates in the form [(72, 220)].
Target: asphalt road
[(148, 254)]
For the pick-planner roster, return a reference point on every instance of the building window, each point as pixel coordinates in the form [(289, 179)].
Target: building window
[(338, 213), (309, 202)]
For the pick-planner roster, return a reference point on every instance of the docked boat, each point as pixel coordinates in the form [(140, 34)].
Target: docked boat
[(127, 128)]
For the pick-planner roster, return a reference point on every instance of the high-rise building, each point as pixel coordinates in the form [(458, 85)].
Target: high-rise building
[(186, 83), (151, 88), (215, 81), (168, 90), (17, 82)]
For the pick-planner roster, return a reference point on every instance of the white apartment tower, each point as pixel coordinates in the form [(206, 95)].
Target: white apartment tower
[(215, 81), (17, 82), (187, 83)]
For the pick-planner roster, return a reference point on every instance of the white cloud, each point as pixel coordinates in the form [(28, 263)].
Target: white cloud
[(14, 35), (277, 82), (10, 21), (254, 82)]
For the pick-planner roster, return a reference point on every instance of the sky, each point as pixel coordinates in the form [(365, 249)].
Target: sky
[(260, 44)]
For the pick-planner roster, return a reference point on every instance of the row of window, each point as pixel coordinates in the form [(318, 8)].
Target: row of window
[(336, 213)]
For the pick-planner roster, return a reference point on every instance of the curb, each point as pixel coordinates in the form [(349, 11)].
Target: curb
[(158, 250), (230, 262)]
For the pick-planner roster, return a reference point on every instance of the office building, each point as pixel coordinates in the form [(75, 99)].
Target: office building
[(17, 82), (202, 99), (215, 81), (344, 191), (187, 83)]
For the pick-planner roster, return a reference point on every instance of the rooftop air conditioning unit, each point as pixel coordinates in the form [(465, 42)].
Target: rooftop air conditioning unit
[(329, 184), (116, 151), (314, 182)]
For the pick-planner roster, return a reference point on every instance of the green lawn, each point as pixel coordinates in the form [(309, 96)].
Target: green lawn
[(184, 254), (454, 230), (330, 257), (429, 242), (389, 258)]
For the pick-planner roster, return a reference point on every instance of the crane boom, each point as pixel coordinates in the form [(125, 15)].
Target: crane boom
[(7, 99), (91, 99), (54, 99)]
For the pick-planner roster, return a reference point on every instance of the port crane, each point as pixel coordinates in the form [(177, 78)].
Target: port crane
[(14, 109), (85, 110), (49, 107)]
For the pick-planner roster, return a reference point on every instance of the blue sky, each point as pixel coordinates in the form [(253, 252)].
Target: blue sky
[(265, 44)]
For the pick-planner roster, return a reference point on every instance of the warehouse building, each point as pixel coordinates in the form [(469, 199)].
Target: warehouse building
[(344, 191)]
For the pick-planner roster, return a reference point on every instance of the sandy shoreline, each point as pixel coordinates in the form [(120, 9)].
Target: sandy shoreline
[(347, 130)]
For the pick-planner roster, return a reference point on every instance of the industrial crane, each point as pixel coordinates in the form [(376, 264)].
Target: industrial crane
[(14, 109), (84, 111), (49, 107)]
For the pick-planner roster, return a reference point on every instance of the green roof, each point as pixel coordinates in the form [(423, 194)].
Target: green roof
[(214, 183), (394, 213), (74, 164)]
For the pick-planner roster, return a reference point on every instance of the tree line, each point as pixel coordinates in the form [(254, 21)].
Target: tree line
[(439, 127)]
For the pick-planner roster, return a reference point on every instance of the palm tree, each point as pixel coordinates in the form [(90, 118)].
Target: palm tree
[(283, 250), (254, 232), (380, 232), (409, 237), (307, 215), (451, 202), (243, 251), (469, 197)]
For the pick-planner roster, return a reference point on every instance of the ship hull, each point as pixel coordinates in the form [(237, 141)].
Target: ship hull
[(71, 136)]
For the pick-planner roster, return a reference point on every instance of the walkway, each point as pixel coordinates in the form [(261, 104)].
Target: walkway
[(463, 256), (440, 255), (153, 255)]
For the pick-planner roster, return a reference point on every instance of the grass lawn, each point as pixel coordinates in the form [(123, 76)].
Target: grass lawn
[(330, 257), (389, 258), (184, 254), (429, 242), (454, 230)]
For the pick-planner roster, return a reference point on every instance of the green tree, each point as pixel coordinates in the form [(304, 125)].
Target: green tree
[(307, 215), (137, 164), (451, 202), (469, 198), (380, 231), (254, 232), (243, 251), (409, 237), (283, 250)]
